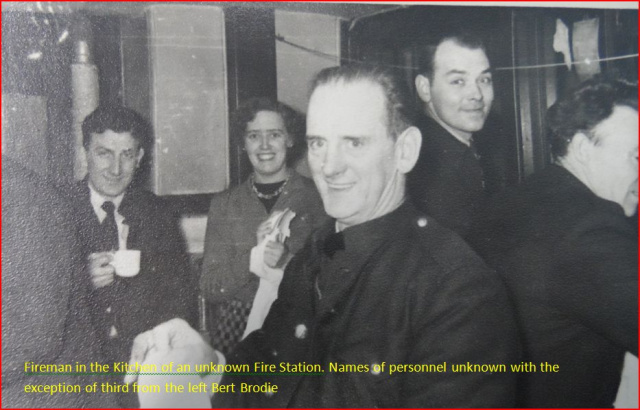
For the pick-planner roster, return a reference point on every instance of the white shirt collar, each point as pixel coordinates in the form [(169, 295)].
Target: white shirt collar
[(97, 200)]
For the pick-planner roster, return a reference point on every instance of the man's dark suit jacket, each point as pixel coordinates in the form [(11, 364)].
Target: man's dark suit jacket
[(447, 182), (45, 317), (163, 289), (569, 259)]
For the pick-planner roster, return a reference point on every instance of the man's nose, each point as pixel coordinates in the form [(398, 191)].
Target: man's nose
[(116, 166), (475, 92), (333, 162)]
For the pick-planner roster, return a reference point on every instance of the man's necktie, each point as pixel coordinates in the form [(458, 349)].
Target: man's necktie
[(109, 227)]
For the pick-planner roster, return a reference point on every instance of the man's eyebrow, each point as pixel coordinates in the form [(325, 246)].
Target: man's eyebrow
[(455, 71), (462, 72)]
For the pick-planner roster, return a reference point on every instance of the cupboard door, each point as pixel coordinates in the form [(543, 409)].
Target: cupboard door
[(187, 97)]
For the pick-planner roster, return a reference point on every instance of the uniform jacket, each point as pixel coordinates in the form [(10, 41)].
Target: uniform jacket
[(569, 259), (163, 289), (234, 217), (449, 180), (404, 290), (45, 318)]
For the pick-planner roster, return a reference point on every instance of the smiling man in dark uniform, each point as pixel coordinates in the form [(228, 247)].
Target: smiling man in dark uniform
[(381, 284), (456, 87)]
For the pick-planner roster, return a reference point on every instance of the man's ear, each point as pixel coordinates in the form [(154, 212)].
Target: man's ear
[(423, 87), (407, 149), (580, 147), (140, 155)]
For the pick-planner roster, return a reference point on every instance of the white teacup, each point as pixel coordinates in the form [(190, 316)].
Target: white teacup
[(126, 262)]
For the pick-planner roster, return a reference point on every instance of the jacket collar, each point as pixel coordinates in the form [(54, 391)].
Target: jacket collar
[(335, 275), (127, 205), (362, 238), (568, 181)]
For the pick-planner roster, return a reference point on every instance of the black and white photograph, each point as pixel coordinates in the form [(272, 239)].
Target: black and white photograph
[(319, 204)]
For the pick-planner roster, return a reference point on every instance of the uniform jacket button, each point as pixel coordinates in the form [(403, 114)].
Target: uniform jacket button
[(301, 331), (422, 222)]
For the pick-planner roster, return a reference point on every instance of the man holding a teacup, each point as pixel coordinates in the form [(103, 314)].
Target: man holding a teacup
[(133, 249)]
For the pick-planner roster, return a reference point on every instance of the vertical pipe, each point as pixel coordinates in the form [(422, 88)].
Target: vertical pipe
[(85, 94)]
